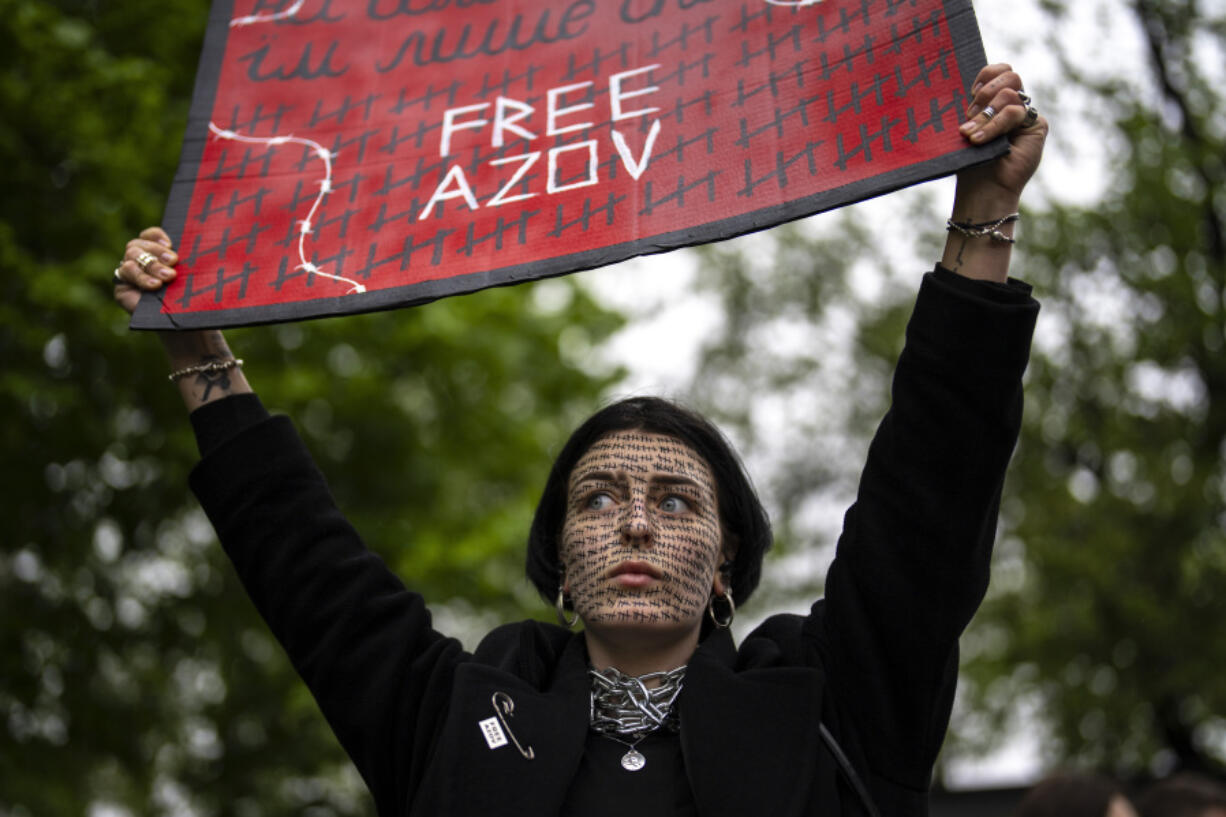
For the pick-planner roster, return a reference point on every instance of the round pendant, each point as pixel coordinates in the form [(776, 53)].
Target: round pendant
[(633, 760)]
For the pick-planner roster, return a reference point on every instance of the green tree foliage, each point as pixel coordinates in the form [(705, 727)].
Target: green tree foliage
[(135, 674), (1107, 608), (1112, 608)]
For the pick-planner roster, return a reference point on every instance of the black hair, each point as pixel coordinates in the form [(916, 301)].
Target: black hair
[(743, 521), (1070, 794), (1185, 794)]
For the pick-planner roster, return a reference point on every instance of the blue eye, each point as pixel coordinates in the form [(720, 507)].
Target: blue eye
[(674, 504), (599, 502)]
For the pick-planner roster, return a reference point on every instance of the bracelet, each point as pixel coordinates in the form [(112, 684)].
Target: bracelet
[(206, 368), (988, 229)]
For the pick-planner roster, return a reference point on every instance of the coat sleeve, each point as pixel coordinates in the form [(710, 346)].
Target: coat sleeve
[(363, 644), (911, 565)]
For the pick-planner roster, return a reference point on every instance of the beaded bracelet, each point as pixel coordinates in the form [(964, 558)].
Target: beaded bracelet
[(206, 368), (989, 229)]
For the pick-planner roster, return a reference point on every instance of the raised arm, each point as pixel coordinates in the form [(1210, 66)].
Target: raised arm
[(363, 644), (912, 563), (201, 363), (991, 192)]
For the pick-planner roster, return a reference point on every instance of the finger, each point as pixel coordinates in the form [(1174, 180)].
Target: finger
[(987, 93), (147, 264), (166, 256), (999, 115), (129, 274), (162, 255), (156, 234), (989, 74)]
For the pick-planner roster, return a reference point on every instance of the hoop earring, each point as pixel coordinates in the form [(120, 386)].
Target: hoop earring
[(561, 604), (726, 622)]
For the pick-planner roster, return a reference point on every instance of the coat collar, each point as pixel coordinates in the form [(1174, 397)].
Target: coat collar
[(744, 735), (550, 724)]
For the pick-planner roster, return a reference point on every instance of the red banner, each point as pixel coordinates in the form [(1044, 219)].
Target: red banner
[(350, 155)]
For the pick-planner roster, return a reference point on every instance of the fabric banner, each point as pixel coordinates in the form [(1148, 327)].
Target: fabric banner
[(343, 156)]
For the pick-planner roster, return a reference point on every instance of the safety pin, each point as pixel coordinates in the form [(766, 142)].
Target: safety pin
[(504, 706)]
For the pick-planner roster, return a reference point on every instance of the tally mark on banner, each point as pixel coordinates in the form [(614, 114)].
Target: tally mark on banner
[(325, 187)]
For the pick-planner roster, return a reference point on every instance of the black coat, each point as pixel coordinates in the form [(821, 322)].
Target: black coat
[(876, 660)]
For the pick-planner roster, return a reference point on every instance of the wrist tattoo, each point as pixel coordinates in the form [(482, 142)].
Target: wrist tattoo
[(213, 378), (958, 259)]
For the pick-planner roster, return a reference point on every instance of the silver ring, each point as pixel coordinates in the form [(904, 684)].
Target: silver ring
[(116, 277), (145, 259), (1032, 116), (988, 113), (1024, 97)]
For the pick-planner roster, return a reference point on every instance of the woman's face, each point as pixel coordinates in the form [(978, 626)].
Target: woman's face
[(641, 542)]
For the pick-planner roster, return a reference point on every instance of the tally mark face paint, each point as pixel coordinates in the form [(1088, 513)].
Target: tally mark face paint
[(641, 542)]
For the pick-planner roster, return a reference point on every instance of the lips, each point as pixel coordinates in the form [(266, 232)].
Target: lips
[(635, 574)]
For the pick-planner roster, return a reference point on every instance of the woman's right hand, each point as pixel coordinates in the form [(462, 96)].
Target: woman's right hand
[(148, 265), (132, 277)]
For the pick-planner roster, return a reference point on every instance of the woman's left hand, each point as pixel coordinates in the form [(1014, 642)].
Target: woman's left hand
[(1000, 89), (989, 194)]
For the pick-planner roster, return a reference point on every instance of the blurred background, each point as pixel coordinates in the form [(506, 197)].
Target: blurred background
[(136, 677)]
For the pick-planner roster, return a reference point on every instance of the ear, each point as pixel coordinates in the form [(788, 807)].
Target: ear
[(729, 546), (723, 577)]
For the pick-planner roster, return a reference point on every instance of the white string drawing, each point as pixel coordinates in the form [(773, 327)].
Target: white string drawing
[(325, 187), (267, 18)]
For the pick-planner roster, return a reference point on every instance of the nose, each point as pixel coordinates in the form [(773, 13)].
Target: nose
[(636, 526)]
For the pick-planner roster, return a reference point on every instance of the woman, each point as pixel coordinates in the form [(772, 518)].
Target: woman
[(648, 531)]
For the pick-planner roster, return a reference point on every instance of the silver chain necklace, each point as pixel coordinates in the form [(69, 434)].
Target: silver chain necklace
[(624, 710)]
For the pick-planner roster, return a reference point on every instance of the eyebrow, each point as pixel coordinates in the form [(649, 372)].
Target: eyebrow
[(676, 479), (665, 479), (592, 476)]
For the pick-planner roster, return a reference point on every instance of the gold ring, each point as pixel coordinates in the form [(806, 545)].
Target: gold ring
[(145, 259)]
